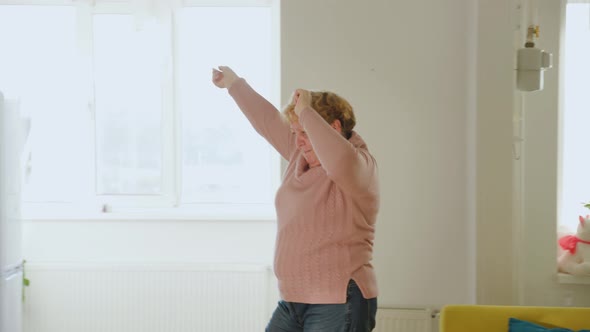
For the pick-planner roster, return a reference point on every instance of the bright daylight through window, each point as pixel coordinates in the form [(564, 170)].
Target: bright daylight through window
[(575, 174), (123, 113)]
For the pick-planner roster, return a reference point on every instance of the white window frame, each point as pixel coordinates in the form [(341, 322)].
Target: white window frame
[(166, 206)]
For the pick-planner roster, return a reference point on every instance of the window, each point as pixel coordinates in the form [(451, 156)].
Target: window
[(124, 116), (575, 172)]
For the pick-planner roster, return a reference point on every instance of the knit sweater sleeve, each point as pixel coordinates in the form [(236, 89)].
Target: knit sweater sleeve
[(263, 116), (353, 168)]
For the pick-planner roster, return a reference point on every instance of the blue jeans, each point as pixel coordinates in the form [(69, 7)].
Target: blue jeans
[(356, 315)]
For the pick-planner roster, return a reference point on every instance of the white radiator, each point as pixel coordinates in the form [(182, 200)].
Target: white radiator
[(148, 298), (406, 320)]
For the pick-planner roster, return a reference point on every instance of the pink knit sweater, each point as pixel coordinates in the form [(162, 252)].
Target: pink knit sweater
[(326, 215)]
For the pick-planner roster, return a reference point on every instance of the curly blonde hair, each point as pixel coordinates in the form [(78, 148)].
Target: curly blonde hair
[(331, 107)]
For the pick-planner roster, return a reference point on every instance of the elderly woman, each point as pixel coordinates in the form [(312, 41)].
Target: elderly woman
[(326, 207)]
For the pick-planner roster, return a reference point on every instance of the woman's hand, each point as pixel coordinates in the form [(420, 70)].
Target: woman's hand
[(224, 77), (301, 99)]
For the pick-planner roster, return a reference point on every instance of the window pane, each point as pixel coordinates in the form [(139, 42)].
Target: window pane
[(40, 65), (576, 116), (224, 159), (128, 71)]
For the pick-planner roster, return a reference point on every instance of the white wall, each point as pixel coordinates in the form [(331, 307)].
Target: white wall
[(494, 100), (149, 241), (404, 67), (432, 85)]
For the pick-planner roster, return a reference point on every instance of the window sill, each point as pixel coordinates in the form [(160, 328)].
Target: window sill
[(68, 212), (564, 278)]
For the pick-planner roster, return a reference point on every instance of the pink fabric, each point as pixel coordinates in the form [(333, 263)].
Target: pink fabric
[(570, 242), (326, 215)]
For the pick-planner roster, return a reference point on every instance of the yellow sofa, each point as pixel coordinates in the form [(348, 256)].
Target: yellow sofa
[(484, 318)]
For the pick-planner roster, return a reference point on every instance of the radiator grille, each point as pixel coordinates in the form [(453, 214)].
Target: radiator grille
[(148, 298), (168, 298), (405, 320)]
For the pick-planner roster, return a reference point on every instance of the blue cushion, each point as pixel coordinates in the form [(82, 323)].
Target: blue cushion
[(517, 325)]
